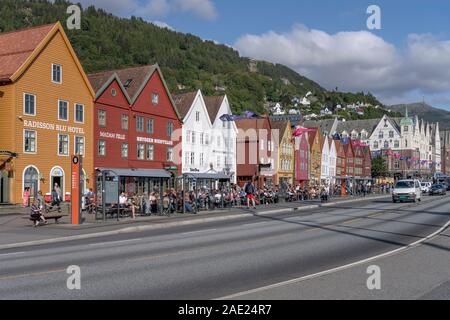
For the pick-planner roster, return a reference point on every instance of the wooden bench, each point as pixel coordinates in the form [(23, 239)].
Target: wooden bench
[(50, 216)]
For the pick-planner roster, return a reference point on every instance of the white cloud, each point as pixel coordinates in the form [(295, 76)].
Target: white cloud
[(357, 61), (204, 9), (162, 24)]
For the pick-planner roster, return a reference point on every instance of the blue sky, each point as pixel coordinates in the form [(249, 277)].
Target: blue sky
[(326, 40)]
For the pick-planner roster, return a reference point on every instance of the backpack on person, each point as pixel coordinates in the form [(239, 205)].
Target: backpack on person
[(249, 188)]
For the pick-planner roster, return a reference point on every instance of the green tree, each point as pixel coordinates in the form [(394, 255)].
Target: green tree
[(379, 167)]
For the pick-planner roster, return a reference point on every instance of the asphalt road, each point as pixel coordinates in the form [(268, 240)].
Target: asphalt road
[(220, 259)]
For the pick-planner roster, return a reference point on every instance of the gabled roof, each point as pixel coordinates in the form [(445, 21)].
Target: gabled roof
[(281, 126), (246, 124), (184, 102), (131, 80), (358, 125), (312, 136), (348, 148), (17, 46), (18, 50), (213, 105), (338, 145)]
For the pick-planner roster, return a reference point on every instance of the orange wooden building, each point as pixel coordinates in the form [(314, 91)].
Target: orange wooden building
[(46, 111)]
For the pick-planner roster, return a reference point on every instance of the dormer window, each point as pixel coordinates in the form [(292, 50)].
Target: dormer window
[(128, 83), (155, 98), (56, 73)]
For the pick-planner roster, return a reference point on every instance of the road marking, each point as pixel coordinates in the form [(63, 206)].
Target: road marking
[(32, 274), (200, 231), (326, 272), (113, 242), (12, 254)]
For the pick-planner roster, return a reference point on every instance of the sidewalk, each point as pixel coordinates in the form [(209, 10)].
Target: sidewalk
[(18, 229)]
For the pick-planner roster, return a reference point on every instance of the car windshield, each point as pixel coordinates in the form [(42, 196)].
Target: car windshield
[(423, 184), (404, 185), (437, 186)]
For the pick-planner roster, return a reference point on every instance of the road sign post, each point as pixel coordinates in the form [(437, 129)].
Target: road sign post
[(76, 190)]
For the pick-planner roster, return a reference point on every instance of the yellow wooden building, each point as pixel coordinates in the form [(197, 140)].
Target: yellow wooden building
[(46, 104), (286, 160), (315, 163)]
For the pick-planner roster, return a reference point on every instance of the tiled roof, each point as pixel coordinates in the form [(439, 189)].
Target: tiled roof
[(246, 124), (358, 125), (132, 78), (183, 102), (325, 126), (17, 46), (213, 105)]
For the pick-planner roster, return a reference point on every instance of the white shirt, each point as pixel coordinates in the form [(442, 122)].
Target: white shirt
[(123, 199)]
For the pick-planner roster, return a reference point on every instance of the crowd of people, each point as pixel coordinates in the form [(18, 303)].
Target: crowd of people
[(204, 199)]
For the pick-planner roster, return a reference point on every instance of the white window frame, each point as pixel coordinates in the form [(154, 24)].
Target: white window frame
[(98, 118), (143, 151), (155, 94), (68, 145), (170, 159), (35, 104), (153, 152), (143, 124), (152, 121), (98, 145), (35, 143), (67, 106), (75, 112), (122, 149), (75, 145), (122, 117), (60, 73)]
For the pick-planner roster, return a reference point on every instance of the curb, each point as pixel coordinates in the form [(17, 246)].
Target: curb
[(175, 224)]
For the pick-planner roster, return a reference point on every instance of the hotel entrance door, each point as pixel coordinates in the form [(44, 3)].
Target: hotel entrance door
[(4, 187)]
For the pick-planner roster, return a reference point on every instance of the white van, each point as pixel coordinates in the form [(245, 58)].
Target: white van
[(407, 190)]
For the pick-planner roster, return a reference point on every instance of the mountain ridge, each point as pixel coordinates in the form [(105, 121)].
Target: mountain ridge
[(107, 42), (426, 112)]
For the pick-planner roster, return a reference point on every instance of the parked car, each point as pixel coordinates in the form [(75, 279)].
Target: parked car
[(407, 190), (438, 189), (426, 187)]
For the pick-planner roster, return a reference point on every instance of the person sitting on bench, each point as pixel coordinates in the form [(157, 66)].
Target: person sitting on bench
[(36, 213)]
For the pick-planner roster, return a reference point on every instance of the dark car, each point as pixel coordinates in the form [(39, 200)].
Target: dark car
[(438, 189)]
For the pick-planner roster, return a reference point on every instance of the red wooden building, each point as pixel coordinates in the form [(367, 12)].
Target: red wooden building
[(367, 164), (350, 160), (256, 152), (341, 178), (135, 120), (302, 160)]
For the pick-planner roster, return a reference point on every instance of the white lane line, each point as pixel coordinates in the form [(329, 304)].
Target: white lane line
[(326, 272), (196, 232), (113, 242), (11, 254)]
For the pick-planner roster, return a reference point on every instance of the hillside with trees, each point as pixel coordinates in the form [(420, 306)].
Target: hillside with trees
[(188, 62)]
